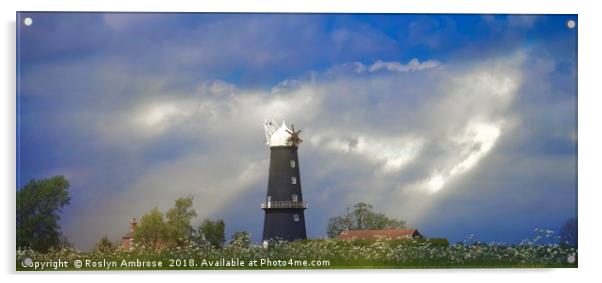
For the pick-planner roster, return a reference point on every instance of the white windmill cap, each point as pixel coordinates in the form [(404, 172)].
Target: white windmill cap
[(281, 136)]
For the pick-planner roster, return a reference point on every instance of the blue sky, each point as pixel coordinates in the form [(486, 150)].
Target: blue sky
[(459, 124)]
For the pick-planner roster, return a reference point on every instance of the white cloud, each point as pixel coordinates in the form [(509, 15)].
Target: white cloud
[(473, 144), (157, 116), (392, 66), (462, 122), (390, 153), (476, 142)]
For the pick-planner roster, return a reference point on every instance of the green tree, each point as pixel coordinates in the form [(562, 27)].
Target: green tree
[(179, 229), (240, 240), (212, 233), (152, 230), (39, 204), (361, 218), (104, 245)]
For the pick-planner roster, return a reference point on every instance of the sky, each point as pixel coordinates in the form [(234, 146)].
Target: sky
[(459, 124)]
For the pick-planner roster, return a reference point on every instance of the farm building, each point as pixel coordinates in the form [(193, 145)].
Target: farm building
[(127, 241)]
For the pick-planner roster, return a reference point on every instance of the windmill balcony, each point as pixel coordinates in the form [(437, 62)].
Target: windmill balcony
[(284, 204)]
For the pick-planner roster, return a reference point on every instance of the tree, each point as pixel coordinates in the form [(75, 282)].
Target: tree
[(212, 232), (240, 240), (39, 204), (104, 245), (361, 218), (338, 224), (568, 233), (152, 230), (179, 229)]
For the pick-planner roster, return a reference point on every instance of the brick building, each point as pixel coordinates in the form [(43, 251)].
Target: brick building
[(127, 241)]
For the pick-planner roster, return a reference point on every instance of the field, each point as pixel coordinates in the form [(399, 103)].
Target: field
[(310, 254)]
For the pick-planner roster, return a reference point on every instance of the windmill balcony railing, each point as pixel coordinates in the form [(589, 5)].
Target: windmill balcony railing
[(284, 204)]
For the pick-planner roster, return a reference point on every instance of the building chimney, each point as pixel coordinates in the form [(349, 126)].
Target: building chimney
[(133, 225)]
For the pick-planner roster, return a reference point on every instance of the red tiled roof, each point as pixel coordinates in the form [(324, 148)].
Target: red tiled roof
[(387, 234)]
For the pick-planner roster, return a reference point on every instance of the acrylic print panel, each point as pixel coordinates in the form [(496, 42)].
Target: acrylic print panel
[(279, 141)]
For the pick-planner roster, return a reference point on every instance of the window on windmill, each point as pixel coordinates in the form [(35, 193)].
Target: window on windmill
[(295, 198), (296, 217), (293, 164), (294, 180)]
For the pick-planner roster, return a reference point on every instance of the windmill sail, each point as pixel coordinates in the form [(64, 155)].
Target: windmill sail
[(270, 128)]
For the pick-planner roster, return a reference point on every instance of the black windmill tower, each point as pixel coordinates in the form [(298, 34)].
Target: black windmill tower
[(284, 205)]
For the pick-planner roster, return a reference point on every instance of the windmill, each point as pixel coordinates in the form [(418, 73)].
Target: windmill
[(284, 206)]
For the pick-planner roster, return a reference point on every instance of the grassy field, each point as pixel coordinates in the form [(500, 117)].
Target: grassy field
[(309, 254)]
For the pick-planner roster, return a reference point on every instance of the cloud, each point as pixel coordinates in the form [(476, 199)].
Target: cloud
[(473, 144), (224, 121), (413, 65), (359, 141), (391, 153)]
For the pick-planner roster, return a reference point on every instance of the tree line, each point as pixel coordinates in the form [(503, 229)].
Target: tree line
[(361, 217), (41, 202), (173, 229)]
